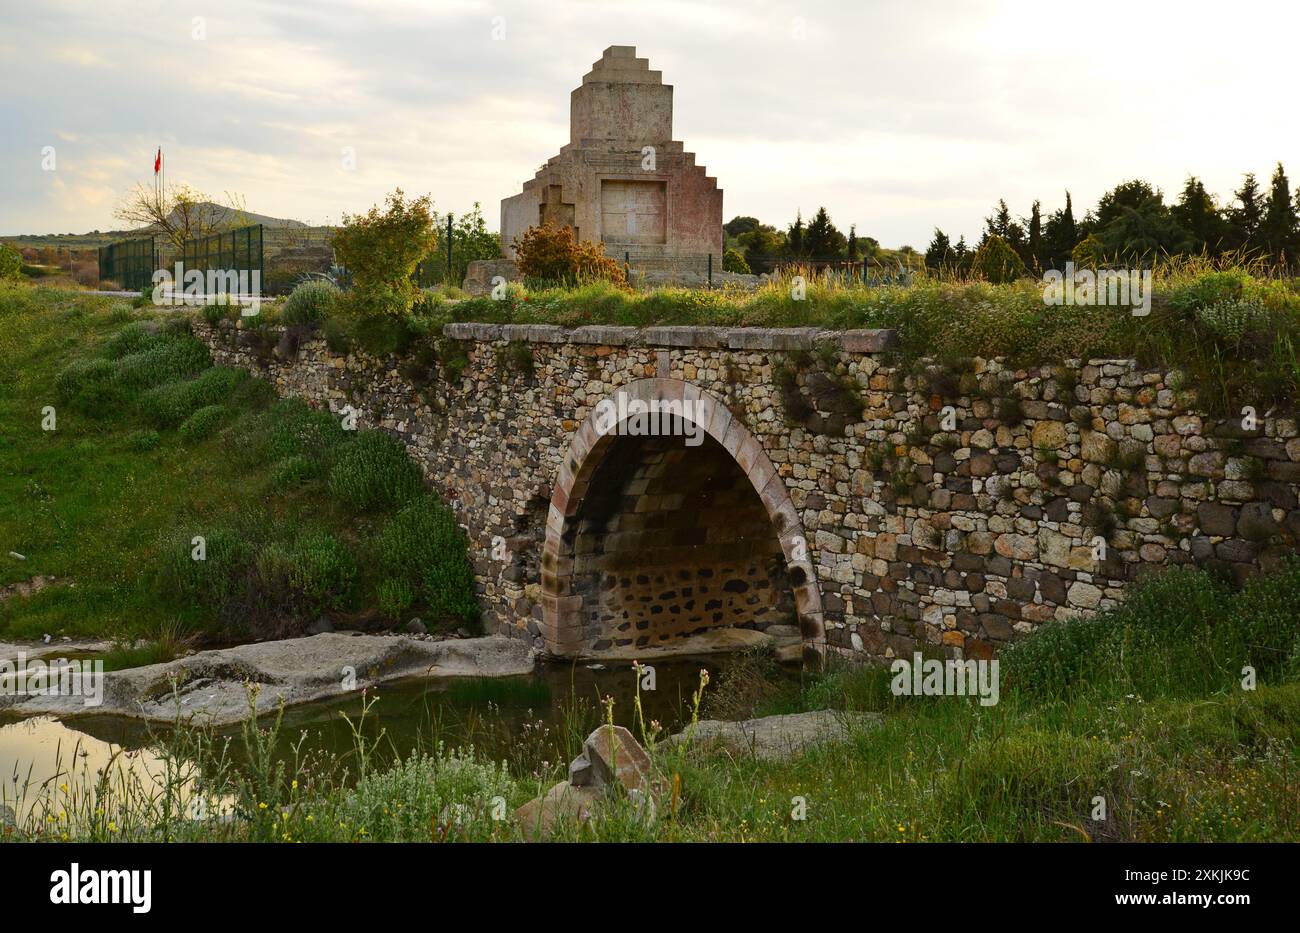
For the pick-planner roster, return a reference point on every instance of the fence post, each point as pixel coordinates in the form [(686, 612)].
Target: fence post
[(710, 270), (447, 280)]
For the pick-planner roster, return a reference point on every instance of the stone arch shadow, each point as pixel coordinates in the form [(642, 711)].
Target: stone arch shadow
[(562, 607)]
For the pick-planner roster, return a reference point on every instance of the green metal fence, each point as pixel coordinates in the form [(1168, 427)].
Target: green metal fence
[(237, 251), (130, 263)]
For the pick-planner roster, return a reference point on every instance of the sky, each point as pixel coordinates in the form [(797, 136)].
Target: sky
[(896, 116)]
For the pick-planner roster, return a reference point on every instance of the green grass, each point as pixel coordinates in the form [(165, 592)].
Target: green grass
[(1124, 709), (154, 446)]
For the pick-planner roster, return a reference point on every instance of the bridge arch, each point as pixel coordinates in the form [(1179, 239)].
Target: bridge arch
[(589, 491)]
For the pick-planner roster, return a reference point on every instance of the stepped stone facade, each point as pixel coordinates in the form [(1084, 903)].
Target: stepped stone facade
[(622, 180), (878, 508)]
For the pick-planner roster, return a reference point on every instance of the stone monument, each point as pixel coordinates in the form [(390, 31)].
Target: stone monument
[(622, 180)]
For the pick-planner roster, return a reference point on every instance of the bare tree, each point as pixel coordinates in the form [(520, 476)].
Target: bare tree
[(177, 212)]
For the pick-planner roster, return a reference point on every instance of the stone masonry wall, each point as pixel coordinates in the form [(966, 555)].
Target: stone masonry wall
[(943, 508)]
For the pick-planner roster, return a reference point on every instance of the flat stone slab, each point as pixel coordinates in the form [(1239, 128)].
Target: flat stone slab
[(58, 647), (714, 641), (775, 737), (211, 687)]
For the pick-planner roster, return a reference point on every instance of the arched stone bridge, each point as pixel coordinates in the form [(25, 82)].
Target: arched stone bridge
[(819, 484)]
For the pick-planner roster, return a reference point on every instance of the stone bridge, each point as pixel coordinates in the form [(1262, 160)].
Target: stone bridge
[(802, 477)]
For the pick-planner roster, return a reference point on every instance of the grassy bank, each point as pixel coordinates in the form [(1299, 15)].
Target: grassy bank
[(1142, 707), (123, 446)]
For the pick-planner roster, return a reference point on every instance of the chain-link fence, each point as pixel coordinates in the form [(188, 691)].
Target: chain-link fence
[(128, 263)]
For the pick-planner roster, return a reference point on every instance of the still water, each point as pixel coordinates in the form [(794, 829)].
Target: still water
[(530, 718)]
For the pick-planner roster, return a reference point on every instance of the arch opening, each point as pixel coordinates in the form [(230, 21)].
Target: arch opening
[(652, 540)]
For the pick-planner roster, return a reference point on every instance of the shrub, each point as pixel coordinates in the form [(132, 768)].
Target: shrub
[(207, 584), (169, 404), (133, 338), (516, 357), (373, 471), (168, 359), (382, 249), (1179, 632), (295, 471), (452, 359), (303, 579), (423, 549), (312, 300), (202, 423), (549, 254), (1208, 289), (11, 263), (141, 441), (450, 793), (86, 385), (734, 261), (137, 359), (996, 262), (290, 428), (395, 596)]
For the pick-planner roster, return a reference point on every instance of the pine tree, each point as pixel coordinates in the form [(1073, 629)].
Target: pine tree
[(1246, 215), (1279, 231), (822, 242), (794, 238), (1060, 234), (854, 253), (961, 255), (939, 252), (1200, 217), (1004, 227), (1035, 246)]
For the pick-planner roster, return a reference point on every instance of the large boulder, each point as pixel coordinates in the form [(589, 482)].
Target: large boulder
[(612, 765), (563, 803), (480, 273), (773, 737)]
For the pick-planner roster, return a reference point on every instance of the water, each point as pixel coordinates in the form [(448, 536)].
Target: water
[(529, 721)]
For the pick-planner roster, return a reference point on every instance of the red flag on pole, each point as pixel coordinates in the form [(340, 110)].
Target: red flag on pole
[(157, 162)]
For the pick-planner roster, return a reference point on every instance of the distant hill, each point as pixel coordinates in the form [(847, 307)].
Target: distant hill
[(229, 217), (98, 238)]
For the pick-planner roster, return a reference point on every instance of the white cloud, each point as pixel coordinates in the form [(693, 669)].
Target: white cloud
[(898, 117)]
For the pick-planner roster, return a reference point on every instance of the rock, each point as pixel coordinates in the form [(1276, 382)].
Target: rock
[(1096, 447), (415, 627), (320, 626), (617, 758), (1256, 522), (1216, 519), (212, 685), (1085, 595), (8, 819), (1049, 434), (773, 737), (790, 653), (480, 272), (612, 763), (1016, 547), (563, 803)]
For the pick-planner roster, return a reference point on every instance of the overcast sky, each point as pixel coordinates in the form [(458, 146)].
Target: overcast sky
[(897, 116)]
